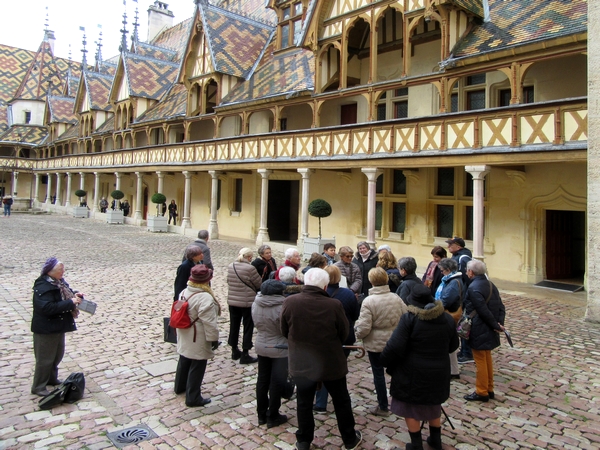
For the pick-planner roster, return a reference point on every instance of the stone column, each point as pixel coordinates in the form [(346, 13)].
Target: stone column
[(592, 276), (371, 173), (58, 188), (263, 231), (82, 182), (15, 181), (36, 193), (479, 173), (49, 190), (68, 193), (137, 215), (187, 195), (96, 191), (160, 188), (118, 181), (213, 226), (306, 173)]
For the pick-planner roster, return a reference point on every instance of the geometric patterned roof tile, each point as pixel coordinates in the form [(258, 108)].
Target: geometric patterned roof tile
[(474, 6), (72, 132), (516, 22), (286, 73), (254, 9), (152, 51), (29, 134), (61, 109), (98, 87), (236, 42), (174, 39), (43, 76), (107, 127), (149, 77), (173, 105), (14, 63)]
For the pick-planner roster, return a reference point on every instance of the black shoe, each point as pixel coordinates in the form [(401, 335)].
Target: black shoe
[(303, 445), (475, 397), (55, 382), (235, 354), (357, 441), (491, 395), (282, 418), (455, 376), (465, 359), (262, 420), (204, 401), (319, 409), (40, 392), (247, 359)]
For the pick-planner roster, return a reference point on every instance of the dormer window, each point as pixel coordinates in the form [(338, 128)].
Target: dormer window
[(27, 116), (290, 24)]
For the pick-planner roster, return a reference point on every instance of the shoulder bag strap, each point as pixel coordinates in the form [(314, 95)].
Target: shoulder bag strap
[(474, 313), (238, 275)]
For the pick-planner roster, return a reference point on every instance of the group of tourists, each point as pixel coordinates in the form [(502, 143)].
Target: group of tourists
[(309, 318)]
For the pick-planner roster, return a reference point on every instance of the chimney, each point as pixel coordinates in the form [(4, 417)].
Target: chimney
[(159, 19), (49, 37)]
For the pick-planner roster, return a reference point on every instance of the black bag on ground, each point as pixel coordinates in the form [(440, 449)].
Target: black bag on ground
[(76, 384), (288, 388), (54, 398), (170, 335)]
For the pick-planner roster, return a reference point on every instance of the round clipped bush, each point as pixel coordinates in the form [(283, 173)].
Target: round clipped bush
[(117, 195), (319, 208), (80, 193), (158, 198)]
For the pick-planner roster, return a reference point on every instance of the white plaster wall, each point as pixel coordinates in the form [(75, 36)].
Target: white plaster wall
[(36, 108), (550, 78)]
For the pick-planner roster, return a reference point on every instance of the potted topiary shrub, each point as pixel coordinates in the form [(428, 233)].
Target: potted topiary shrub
[(157, 223), (80, 211), (317, 208), (114, 214)]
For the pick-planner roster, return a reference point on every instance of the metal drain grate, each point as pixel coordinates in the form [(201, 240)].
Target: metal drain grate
[(131, 435)]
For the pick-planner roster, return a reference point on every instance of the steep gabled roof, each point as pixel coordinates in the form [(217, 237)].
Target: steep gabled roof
[(97, 87), (173, 105), (30, 134), (43, 76), (152, 51), (235, 42), (148, 77), (174, 38), (472, 6), (515, 23), (253, 9), (15, 63), (283, 74), (61, 109)]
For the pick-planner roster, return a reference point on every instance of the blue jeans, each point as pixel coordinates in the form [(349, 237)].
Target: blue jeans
[(321, 397), (379, 380), (7, 210), (465, 349)]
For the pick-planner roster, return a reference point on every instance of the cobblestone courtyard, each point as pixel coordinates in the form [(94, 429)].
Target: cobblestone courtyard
[(547, 387)]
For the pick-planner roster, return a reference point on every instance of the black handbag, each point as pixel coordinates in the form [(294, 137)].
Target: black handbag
[(288, 388), (54, 398), (76, 387), (170, 334)]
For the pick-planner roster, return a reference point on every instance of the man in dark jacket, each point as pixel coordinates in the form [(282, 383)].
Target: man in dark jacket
[(407, 267), (487, 324), (202, 242), (316, 327)]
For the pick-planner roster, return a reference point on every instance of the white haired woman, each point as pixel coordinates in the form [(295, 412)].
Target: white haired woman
[(243, 283)]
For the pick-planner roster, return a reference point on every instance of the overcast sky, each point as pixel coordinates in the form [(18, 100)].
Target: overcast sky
[(23, 23)]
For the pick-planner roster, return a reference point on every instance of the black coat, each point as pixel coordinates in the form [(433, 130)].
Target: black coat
[(416, 355), (364, 267), (51, 314), (483, 335), (406, 285), (437, 278), (183, 275), (263, 268)]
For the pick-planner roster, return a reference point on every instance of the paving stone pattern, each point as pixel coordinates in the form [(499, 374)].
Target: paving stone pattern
[(547, 387)]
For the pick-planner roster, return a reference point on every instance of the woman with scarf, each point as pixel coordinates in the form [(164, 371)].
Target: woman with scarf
[(366, 259), (54, 313), (433, 275), (197, 343), (451, 292), (265, 263)]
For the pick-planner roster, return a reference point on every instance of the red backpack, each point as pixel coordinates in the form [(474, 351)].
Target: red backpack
[(179, 315)]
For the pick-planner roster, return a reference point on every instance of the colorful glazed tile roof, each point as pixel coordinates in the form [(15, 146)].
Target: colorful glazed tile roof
[(71, 133), (149, 77), (173, 105), (174, 38), (285, 73), (43, 76), (235, 42), (98, 87), (106, 127), (254, 9), (474, 6), (152, 51), (516, 22), (61, 109), (30, 134)]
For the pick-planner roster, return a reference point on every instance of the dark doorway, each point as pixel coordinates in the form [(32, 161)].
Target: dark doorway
[(282, 217), (145, 208), (349, 114), (565, 245)]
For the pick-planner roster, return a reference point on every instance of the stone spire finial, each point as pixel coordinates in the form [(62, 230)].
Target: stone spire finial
[(123, 46), (99, 48), (84, 51), (135, 36)]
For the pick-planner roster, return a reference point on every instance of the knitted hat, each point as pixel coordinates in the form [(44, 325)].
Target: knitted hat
[(200, 274), (456, 240), (49, 265), (272, 287), (420, 296)]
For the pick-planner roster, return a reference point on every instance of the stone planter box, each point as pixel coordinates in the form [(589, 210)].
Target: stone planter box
[(80, 212), (157, 224), (312, 245), (114, 216)]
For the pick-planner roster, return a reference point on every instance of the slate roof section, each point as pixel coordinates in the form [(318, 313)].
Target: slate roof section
[(174, 38), (107, 127), (149, 77), (43, 76), (473, 6), (98, 87), (515, 22), (30, 134), (253, 9), (61, 109), (152, 51), (72, 132), (286, 73), (236, 42), (173, 105), (14, 66)]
